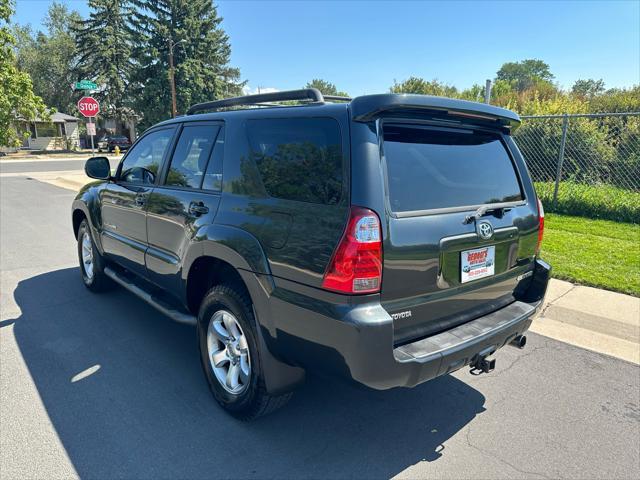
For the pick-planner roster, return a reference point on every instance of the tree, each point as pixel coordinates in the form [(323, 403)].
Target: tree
[(201, 52), (50, 57), (17, 100), (104, 51), (325, 87), (424, 87), (474, 94), (587, 88), (524, 75), (616, 100)]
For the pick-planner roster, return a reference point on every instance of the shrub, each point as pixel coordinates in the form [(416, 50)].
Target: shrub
[(588, 155), (592, 201)]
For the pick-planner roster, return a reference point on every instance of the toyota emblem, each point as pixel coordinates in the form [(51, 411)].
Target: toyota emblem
[(485, 230)]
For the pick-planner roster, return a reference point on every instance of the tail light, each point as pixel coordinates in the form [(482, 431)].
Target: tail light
[(540, 226), (356, 265)]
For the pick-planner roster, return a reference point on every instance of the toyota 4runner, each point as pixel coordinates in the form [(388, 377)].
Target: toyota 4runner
[(388, 239)]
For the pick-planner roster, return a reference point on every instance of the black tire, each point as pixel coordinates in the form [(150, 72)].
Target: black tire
[(254, 401), (98, 281)]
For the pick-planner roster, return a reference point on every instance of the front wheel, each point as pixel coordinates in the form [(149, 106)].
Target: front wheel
[(229, 354), (91, 262)]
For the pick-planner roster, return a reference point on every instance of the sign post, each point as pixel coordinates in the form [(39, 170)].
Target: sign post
[(89, 107)]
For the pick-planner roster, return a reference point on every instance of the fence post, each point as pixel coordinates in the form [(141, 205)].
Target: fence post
[(487, 91), (563, 141)]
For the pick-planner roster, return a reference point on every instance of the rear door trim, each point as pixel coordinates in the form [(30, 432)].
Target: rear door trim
[(464, 236), (466, 208)]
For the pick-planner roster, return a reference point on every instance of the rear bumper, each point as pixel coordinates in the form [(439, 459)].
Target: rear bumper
[(357, 341), (455, 348)]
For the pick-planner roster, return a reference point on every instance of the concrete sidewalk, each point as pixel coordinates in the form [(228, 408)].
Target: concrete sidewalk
[(69, 179), (587, 317), (598, 320)]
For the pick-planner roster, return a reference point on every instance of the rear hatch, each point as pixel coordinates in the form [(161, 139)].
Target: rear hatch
[(461, 232)]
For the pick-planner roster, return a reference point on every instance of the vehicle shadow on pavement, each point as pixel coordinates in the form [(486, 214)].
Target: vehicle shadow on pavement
[(124, 389)]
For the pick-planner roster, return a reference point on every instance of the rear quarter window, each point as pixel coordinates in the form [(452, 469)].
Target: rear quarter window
[(434, 168), (299, 158)]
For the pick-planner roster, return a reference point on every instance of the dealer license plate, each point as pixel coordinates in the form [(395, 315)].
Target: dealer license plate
[(477, 263)]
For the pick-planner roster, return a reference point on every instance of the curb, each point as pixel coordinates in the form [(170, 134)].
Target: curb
[(591, 318)]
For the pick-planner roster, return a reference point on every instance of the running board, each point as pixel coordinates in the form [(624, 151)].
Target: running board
[(156, 303)]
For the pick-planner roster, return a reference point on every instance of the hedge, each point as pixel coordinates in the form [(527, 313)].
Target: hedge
[(592, 201)]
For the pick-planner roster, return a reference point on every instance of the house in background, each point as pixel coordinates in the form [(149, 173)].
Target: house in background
[(127, 125), (61, 133)]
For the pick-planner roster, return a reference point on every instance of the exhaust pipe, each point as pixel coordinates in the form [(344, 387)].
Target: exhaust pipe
[(520, 341)]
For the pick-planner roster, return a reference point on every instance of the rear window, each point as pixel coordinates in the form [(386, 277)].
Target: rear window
[(298, 159), (430, 168)]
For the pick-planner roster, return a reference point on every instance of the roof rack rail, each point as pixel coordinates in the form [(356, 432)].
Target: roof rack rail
[(312, 94), (337, 98)]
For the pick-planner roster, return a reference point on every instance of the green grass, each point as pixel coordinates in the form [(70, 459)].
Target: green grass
[(599, 253), (592, 201)]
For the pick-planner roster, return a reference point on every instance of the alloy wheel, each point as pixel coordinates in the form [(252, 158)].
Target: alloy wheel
[(228, 351), (87, 255)]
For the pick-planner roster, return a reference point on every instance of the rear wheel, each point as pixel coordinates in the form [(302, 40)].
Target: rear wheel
[(229, 354), (91, 262)]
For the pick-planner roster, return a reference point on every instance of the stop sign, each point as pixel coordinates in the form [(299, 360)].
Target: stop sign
[(88, 106)]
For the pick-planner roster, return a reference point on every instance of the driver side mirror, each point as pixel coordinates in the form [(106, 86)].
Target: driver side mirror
[(98, 167)]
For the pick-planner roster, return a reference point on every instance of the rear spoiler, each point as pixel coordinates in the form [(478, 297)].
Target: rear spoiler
[(370, 107)]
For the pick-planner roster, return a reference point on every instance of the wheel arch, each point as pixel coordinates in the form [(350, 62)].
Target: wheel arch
[(76, 218), (208, 271), (220, 253), (86, 205)]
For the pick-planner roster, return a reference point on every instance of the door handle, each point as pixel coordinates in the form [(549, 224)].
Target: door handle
[(141, 200), (198, 208)]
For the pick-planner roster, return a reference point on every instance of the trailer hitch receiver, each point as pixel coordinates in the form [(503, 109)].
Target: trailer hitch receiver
[(483, 364)]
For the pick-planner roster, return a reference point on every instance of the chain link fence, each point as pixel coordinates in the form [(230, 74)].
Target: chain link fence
[(587, 164)]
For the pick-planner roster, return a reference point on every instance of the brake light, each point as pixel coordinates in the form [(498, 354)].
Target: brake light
[(356, 265), (540, 226)]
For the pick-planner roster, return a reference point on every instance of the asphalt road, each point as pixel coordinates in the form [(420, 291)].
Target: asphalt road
[(102, 386), (47, 165)]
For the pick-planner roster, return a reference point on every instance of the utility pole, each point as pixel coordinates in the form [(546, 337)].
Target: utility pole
[(487, 91), (172, 77)]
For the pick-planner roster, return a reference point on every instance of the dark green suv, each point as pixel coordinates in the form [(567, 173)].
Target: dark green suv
[(388, 239)]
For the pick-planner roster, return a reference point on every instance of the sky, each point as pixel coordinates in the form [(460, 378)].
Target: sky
[(363, 47)]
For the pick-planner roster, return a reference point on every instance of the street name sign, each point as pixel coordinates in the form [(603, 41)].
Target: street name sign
[(85, 85)]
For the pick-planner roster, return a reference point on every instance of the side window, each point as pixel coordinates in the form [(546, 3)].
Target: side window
[(298, 159), (143, 162), (191, 156), (213, 177)]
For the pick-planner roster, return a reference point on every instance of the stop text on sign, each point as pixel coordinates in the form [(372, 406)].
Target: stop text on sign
[(88, 106)]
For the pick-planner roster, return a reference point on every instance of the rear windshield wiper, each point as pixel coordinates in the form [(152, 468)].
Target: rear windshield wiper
[(484, 210)]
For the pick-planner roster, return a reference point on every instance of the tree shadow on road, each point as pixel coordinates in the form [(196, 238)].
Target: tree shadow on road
[(124, 389)]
